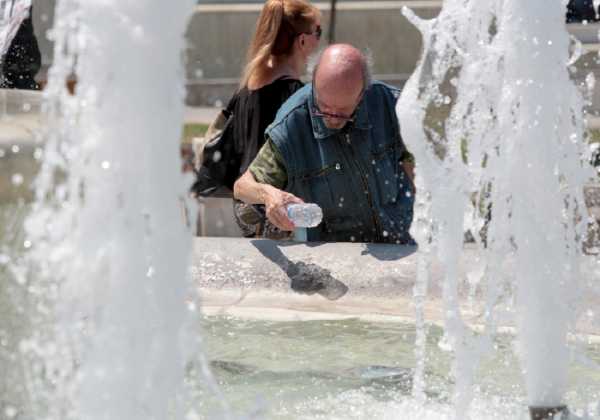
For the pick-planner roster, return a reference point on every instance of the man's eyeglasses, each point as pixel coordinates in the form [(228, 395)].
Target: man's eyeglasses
[(317, 32), (330, 115)]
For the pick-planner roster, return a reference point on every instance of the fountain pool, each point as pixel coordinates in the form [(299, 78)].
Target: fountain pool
[(356, 369)]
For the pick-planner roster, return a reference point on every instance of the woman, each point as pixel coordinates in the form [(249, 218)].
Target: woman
[(287, 33)]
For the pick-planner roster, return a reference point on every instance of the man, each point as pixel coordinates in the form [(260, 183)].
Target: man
[(337, 143)]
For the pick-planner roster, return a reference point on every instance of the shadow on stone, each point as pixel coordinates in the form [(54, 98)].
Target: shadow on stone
[(386, 252), (308, 278)]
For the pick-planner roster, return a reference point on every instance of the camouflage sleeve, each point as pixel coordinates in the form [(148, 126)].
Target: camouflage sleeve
[(268, 166), (406, 156)]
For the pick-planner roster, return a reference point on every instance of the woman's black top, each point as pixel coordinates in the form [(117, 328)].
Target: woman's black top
[(249, 113), (254, 110)]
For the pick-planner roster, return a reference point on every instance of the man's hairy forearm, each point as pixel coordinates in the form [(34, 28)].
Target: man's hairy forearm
[(248, 190)]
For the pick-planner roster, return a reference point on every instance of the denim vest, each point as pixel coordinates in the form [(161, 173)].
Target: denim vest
[(353, 174)]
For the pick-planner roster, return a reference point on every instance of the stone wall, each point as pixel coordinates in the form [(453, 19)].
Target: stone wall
[(218, 36)]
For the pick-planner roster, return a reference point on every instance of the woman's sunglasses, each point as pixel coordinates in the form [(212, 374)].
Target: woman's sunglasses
[(317, 32)]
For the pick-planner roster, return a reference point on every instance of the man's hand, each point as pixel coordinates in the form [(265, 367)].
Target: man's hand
[(276, 201)]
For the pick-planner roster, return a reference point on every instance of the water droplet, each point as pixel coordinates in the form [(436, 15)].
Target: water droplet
[(105, 164), (408, 194), (17, 179), (10, 412), (2, 153), (199, 73), (15, 149), (38, 153), (150, 272), (138, 32), (217, 156), (26, 107), (4, 259), (385, 234), (590, 81), (27, 244), (338, 166), (218, 103), (191, 306)]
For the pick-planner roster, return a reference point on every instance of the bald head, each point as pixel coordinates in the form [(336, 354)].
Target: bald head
[(341, 66), (339, 79)]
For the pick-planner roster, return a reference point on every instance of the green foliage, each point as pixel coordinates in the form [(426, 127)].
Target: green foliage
[(193, 130)]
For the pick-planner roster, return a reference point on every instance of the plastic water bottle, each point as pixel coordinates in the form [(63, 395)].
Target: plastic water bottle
[(305, 215)]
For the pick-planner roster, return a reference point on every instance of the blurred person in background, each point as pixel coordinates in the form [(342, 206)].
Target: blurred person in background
[(581, 10), (21, 59)]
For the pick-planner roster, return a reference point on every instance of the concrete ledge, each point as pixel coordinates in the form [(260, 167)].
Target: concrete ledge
[(20, 123), (217, 91), (20, 112), (585, 33), (265, 279), (317, 279)]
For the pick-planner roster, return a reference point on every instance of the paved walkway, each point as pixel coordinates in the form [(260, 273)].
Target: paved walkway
[(200, 115)]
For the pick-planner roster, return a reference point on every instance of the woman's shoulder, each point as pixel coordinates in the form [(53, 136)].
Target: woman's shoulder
[(284, 86), (284, 82), (287, 82)]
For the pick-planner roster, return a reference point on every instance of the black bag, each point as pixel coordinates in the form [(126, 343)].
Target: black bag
[(217, 163)]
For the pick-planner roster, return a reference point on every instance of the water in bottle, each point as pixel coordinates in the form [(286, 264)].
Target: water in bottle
[(305, 214)]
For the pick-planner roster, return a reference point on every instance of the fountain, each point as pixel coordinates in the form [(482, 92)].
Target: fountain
[(105, 249), (103, 322), (504, 157)]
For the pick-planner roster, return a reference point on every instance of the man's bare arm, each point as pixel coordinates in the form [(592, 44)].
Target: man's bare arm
[(248, 190), (275, 200)]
